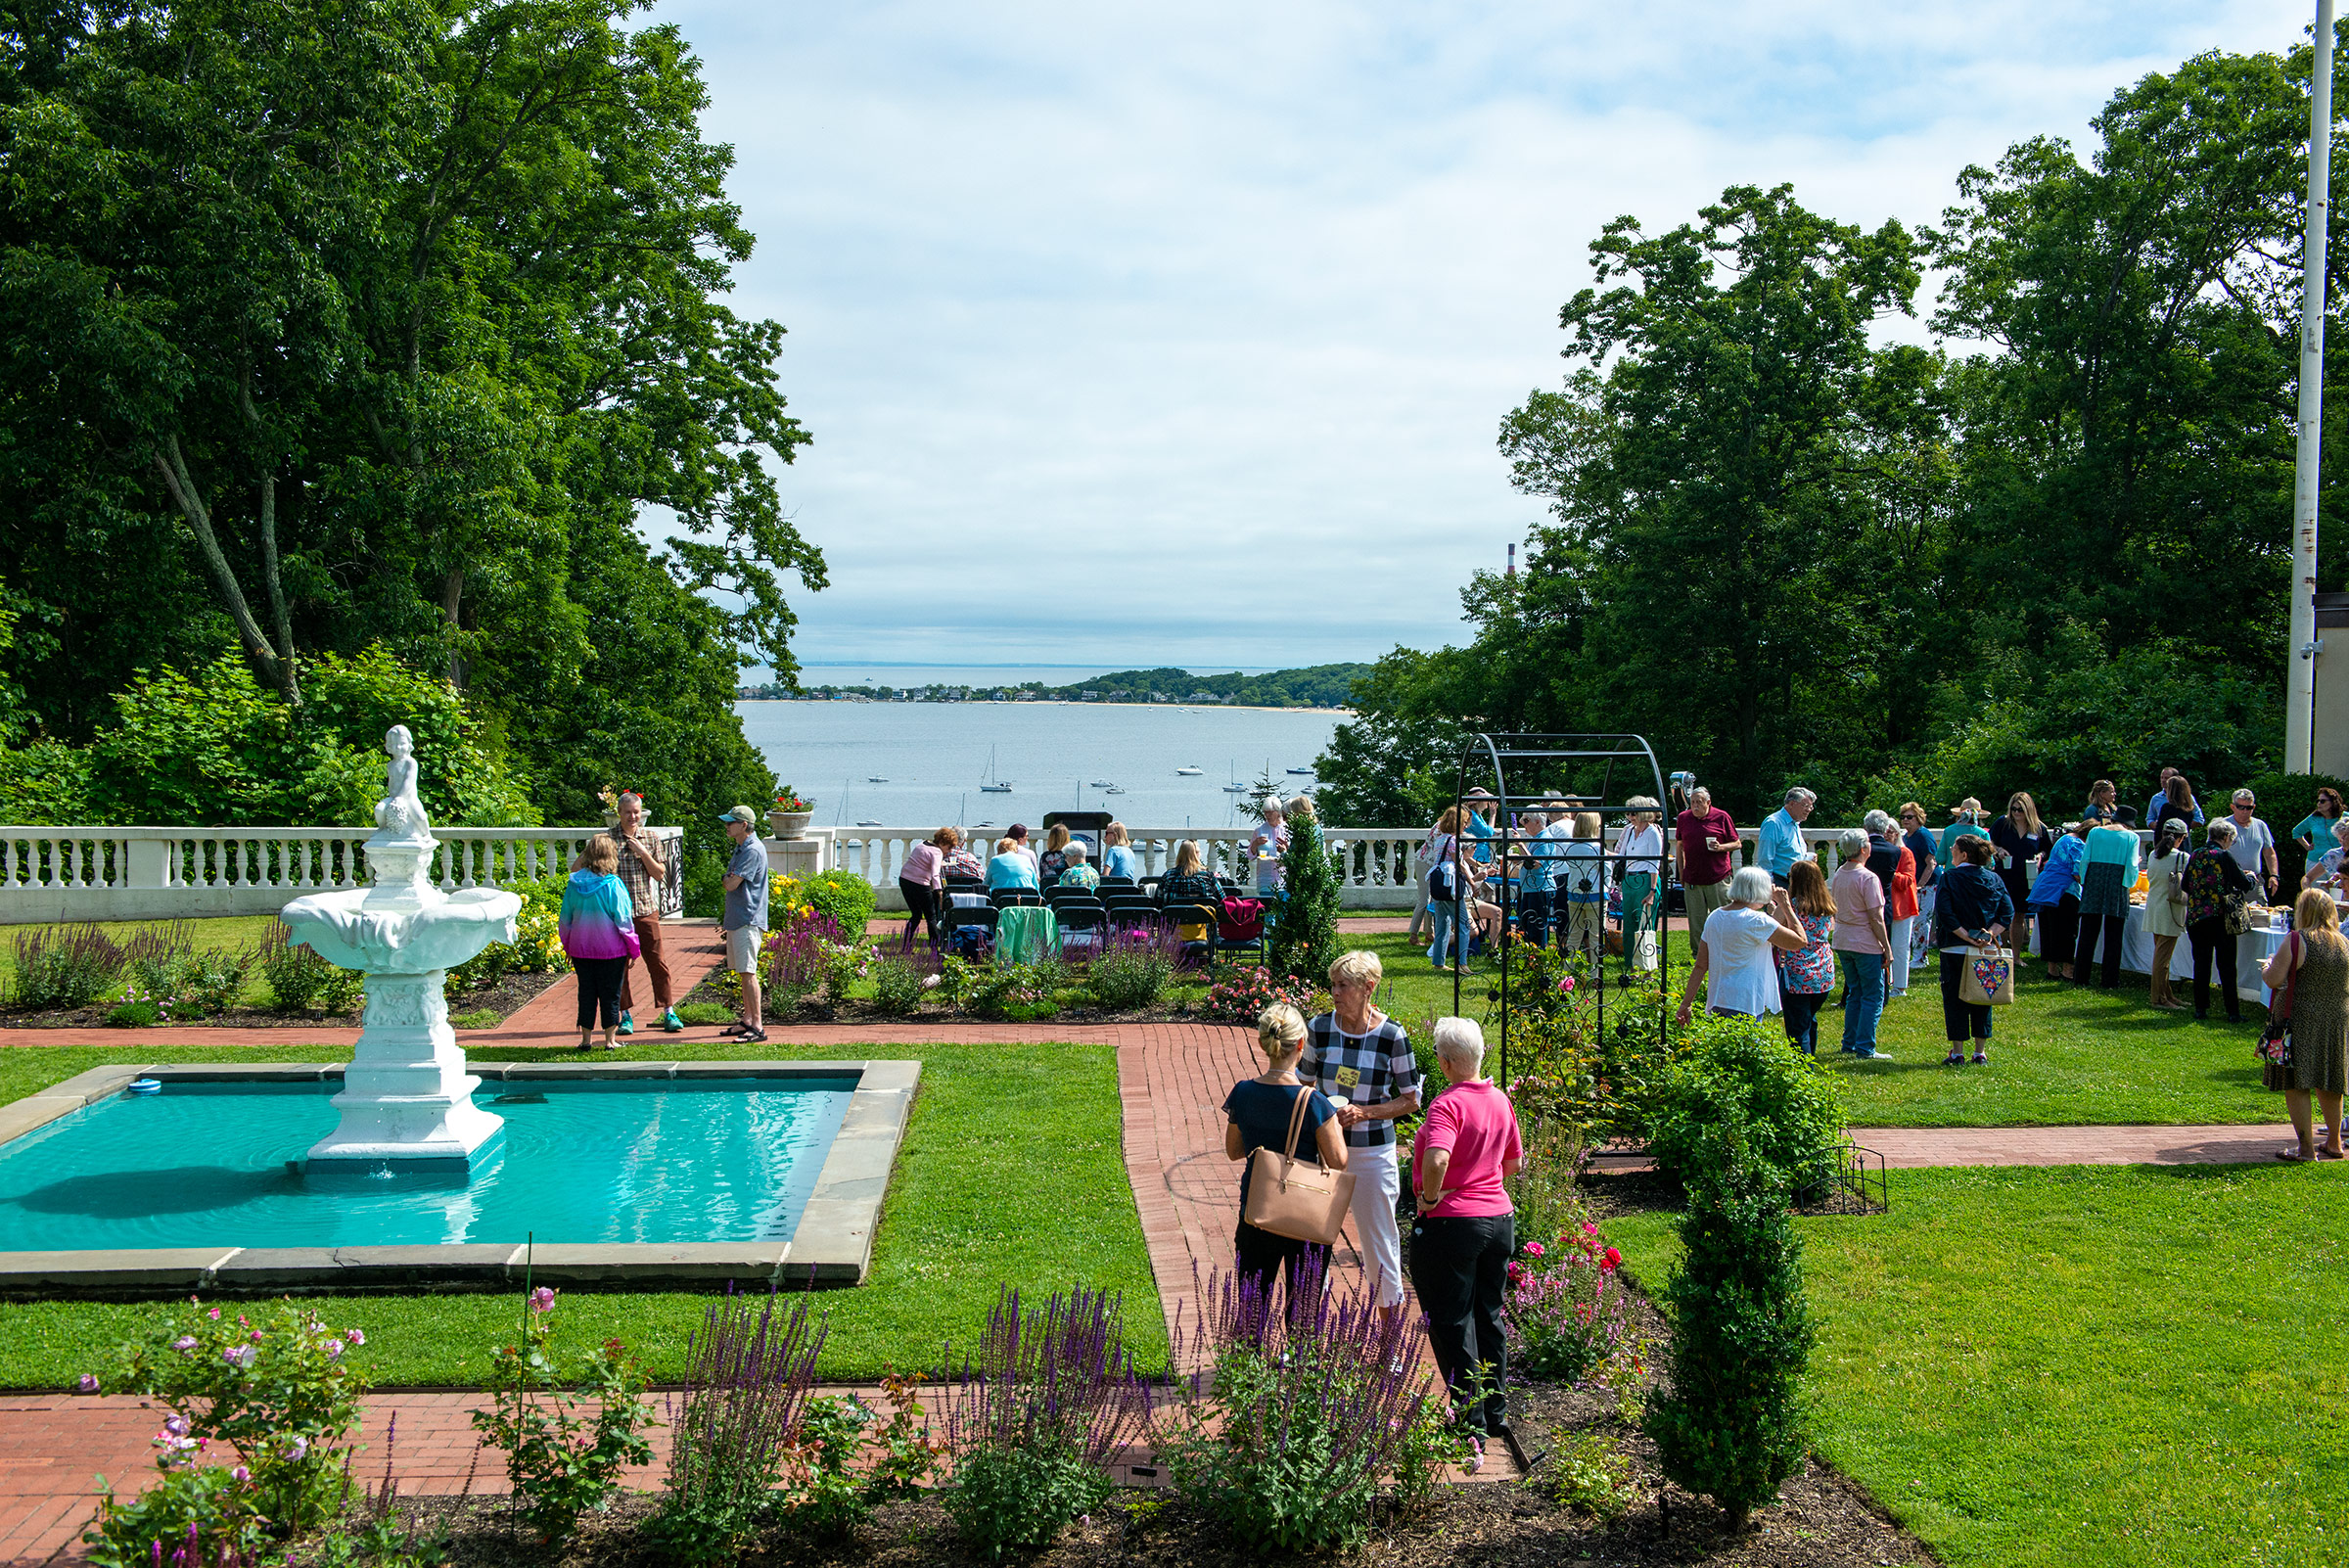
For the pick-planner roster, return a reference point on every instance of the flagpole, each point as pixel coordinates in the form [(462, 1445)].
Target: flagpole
[(2300, 691)]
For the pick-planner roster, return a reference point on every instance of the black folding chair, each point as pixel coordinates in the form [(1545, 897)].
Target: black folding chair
[(968, 916), (1085, 917), (1194, 914), (1054, 894), (1110, 884), (1128, 914), (1226, 940), (1006, 897)]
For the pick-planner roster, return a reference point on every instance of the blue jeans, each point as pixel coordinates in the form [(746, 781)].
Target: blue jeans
[(1448, 931), (1862, 1000)]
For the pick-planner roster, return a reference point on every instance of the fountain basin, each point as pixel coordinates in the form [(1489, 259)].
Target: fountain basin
[(408, 1095), (626, 1173)]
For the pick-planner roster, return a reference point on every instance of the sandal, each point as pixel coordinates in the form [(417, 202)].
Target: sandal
[(2294, 1156), (2332, 1154)]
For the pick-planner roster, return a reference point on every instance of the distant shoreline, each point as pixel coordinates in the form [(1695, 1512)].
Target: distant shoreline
[(1058, 702)]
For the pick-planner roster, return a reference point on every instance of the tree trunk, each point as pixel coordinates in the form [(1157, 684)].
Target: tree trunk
[(275, 665), (452, 595)]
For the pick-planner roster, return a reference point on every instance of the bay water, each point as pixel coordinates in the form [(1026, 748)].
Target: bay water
[(920, 764)]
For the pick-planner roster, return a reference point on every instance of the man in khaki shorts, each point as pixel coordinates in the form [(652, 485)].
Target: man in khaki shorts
[(745, 918)]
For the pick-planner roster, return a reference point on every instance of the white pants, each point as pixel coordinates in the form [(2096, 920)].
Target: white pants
[(1898, 931), (1376, 1183)]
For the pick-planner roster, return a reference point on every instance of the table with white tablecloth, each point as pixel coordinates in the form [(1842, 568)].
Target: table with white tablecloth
[(2252, 949)]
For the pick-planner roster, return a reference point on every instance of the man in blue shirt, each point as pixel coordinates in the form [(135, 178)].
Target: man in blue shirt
[(1780, 844), (2161, 793)]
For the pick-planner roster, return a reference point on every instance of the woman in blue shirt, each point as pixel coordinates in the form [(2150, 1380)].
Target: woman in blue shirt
[(1009, 868), (2055, 901), (1119, 858), (2108, 871)]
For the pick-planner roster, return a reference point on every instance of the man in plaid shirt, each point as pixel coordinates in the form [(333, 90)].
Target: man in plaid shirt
[(645, 875), (1363, 1060)]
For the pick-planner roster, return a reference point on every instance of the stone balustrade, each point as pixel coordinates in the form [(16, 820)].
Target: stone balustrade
[(145, 873), (140, 873)]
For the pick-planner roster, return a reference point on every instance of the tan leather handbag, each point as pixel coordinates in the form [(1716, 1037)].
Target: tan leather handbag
[(1291, 1198)]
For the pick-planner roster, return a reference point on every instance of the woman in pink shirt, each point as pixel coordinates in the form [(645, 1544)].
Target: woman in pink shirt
[(1466, 1229), (923, 881), (1862, 942)]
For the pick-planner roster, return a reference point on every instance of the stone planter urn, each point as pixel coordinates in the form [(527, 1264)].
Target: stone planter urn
[(788, 824)]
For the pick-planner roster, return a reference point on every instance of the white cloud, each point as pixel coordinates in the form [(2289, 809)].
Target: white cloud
[(1182, 333)]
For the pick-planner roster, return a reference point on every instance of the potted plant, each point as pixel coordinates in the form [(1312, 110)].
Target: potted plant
[(610, 798), (788, 817)]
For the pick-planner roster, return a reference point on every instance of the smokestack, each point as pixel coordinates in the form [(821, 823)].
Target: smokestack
[(1512, 560)]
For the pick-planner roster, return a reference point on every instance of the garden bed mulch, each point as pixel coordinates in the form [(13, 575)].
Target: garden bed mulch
[(1822, 1521), (505, 998)]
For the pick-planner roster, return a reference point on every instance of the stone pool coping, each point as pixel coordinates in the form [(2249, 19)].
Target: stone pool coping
[(832, 1246)]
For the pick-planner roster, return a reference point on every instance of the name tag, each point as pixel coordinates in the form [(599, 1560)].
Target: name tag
[(1348, 1077)]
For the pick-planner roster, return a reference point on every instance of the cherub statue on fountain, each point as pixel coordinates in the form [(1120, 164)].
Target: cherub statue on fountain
[(399, 815)]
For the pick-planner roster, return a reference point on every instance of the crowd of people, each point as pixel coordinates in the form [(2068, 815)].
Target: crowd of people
[(1780, 936)]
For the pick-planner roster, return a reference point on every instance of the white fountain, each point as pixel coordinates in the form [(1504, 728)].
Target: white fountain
[(406, 1096)]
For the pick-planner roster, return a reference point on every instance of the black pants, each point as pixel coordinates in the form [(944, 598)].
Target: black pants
[(2059, 926), (599, 987), (1959, 1018), (1802, 1018), (921, 905), (2210, 938), (1460, 1269), (1533, 915), (1260, 1255), (2091, 927)]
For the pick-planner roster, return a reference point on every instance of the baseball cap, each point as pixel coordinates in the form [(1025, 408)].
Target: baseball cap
[(743, 814)]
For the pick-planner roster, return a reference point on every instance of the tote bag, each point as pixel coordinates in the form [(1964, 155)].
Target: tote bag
[(1988, 978), (1291, 1198)]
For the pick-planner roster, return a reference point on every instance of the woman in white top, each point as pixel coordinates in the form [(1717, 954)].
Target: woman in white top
[(1732, 958), (1640, 874)]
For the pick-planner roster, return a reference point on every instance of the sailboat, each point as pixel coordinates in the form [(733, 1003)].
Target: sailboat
[(1235, 787), (992, 785)]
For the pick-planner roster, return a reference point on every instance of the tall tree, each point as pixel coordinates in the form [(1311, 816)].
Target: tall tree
[(331, 323)]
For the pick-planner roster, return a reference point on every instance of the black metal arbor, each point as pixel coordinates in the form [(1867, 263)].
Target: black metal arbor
[(1599, 774)]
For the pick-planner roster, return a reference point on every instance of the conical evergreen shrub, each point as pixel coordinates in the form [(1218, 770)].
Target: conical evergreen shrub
[(1730, 1423), (1304, 940)]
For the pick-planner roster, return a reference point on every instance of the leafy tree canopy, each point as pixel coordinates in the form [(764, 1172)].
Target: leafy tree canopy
[(335, 325)]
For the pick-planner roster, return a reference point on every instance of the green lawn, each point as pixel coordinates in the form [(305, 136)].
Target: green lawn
[(1012, 1173), (210, 934), (2059, 1055), (2133, 1365)]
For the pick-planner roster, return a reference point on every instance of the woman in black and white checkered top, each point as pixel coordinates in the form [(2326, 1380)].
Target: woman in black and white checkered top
[(1363, 1060)]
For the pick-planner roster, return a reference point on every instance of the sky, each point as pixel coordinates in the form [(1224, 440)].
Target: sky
[(1142, 335)]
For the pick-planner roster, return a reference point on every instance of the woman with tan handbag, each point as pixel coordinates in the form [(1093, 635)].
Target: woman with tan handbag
[(1468, 1144), (1276, 1110), (2312, 971), (1969, 918)]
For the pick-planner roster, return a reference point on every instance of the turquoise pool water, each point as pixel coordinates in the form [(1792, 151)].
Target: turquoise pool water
[(612, 1160)]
